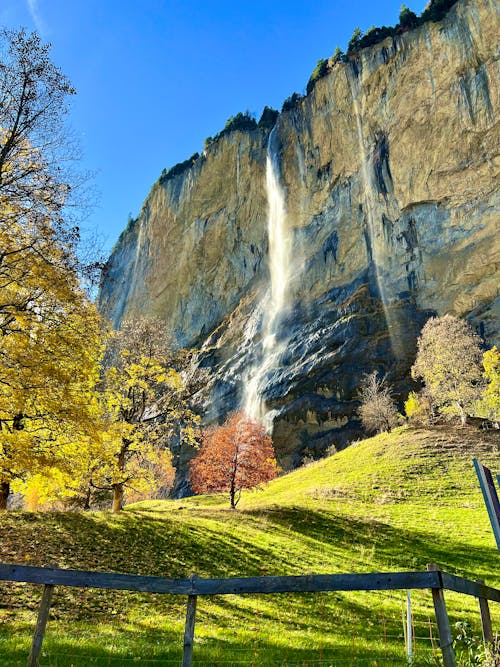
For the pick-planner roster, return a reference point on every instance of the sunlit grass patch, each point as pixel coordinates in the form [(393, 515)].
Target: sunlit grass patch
[(394, 502)]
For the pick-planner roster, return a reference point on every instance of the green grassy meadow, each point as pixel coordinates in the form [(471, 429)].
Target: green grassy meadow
[(390, 503)]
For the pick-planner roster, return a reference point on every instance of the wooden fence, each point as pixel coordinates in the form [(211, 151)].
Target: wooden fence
[(433, 579)]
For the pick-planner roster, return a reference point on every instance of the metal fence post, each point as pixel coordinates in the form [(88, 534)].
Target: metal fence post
[(409, 629), (41, 623), (443, 622)]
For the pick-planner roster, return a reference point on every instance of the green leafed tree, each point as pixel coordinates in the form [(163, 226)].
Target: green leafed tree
[(407, 18), (448, 362), (319, 71), (489, 404)]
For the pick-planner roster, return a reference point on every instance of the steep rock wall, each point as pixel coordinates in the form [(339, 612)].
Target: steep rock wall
[(390, 169)]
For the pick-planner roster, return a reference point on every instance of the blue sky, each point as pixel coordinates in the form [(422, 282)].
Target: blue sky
[(155, 77)]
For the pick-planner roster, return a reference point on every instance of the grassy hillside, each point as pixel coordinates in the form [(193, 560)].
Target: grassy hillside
[(392, 502)]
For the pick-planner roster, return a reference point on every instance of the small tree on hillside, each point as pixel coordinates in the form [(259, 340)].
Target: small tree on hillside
[(449, 363), (489, 405), (237, 455), (378, 410), (419, 408)]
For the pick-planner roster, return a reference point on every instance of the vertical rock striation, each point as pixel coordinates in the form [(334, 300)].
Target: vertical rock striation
[(390, 173)]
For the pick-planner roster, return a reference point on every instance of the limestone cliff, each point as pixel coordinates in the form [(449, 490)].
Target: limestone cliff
[(390, 174)]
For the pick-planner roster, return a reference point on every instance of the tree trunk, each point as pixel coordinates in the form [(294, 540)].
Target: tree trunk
[(117, 497), (463, 416), (4, 494), (86, 504), (232, 495)]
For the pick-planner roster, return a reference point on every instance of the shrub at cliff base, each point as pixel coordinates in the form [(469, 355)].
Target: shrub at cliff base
[(489, 404), (378, 410)]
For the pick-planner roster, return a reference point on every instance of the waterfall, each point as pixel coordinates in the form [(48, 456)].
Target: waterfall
[(371, 208), (274, 302)]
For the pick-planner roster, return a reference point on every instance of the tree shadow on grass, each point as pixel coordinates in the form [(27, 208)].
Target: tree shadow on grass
[(391, 547)]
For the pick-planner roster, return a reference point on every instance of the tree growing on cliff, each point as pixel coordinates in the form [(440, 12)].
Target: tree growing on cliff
[(355, 41), (146, 400), (318, 72), (378, 411), (407, 19), (448, 362), (237, 455)]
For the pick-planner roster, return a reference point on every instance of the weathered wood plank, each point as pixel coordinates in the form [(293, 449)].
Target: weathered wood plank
[(41, 624), (443, 622), (315, 583), (484, 610), (468, 587), (235, 585), (187, 656), (82, 579)]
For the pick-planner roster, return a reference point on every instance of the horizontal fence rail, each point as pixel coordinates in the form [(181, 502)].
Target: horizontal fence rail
[(433, 579), (468, 587), (311, 583)]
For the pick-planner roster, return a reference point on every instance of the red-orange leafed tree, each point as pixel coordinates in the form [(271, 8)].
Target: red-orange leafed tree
[(237, 455)]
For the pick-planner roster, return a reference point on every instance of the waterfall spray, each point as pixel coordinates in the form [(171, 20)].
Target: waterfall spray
[(370, 208), (274, 302)]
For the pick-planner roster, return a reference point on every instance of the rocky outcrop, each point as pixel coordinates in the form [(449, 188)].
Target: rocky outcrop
[(390, 173)]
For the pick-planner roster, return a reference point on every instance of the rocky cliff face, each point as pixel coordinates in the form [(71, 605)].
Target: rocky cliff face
[(389, 170)]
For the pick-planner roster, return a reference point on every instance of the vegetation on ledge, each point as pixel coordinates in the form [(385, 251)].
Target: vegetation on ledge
[(408, 20), (179, 168), (245, 122)]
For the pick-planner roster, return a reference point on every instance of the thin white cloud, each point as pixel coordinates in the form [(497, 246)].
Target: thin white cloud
[(36, 16)]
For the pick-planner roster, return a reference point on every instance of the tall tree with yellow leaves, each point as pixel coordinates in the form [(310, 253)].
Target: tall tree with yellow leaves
[(50, 334), (147, 399), (50, 347), (448, 362)]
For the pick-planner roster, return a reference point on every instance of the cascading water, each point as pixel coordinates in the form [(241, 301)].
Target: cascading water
[(274, 302), (370, 207)]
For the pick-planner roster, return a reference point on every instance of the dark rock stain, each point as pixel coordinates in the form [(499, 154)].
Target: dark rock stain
[(330, 247), (381, 166)]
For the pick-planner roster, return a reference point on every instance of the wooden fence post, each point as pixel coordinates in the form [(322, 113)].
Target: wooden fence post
[(43, 615), (484, 610), (187, 658), (443, 623)]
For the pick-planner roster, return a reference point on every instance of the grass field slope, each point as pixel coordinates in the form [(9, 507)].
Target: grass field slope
[(393, 502)]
